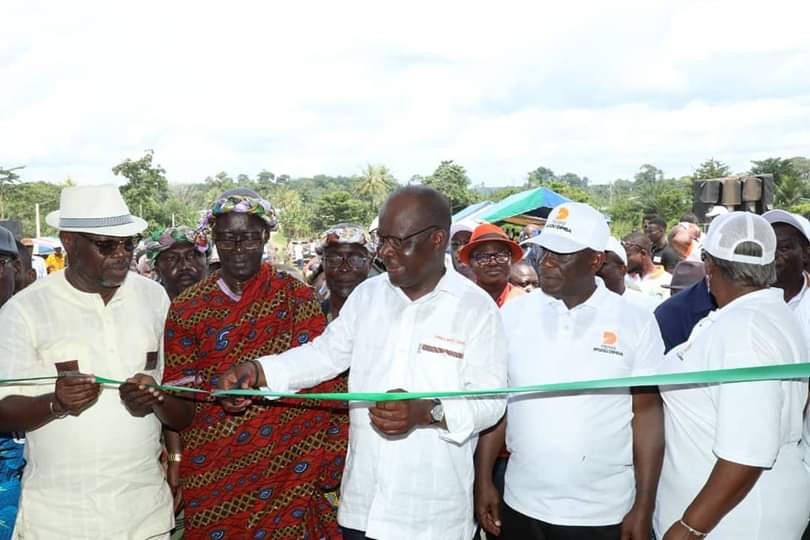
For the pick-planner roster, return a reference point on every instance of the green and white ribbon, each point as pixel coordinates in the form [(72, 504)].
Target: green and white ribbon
[(715, 376)]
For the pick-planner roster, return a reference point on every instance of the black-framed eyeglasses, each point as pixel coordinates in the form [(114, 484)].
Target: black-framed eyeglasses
[(396, 242), (109, 246), (249, 241), (496, 257), (355, 262)]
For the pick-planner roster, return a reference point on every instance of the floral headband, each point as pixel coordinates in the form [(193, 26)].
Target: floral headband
[(164, 239), (346, 233), (241, 204)]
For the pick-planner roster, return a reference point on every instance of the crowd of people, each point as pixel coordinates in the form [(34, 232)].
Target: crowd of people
[(416, 303)]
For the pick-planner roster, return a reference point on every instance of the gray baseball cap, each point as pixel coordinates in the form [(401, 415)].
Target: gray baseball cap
[(7, 244)]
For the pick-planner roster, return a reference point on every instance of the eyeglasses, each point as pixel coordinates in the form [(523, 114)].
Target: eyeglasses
[(249, 242), (110, 246), (355, 262), (560, 258), (499, 257), (396, 242)]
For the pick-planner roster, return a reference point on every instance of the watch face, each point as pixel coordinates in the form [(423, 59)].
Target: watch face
[(437, 412)]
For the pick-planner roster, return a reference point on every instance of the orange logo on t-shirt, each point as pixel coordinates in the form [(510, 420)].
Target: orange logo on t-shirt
[(608, 338), (562, 213)]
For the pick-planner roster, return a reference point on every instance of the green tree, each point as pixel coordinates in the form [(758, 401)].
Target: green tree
[(295, 218), (648, 174), (711, 168), (22, 200), (778, 167), (146, 190), (790, 192), (339, 207), (574, 180), (540, 176), (451, 179), (8, 178), (375, 184)]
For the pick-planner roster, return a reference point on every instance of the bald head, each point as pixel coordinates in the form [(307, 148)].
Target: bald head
[(426, 206)]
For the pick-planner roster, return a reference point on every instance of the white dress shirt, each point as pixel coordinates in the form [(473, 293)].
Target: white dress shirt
[(751, 423), (418, 486), (572, 453), (95, 475)]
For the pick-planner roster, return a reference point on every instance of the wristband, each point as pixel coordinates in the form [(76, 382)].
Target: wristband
[(175, 458), (55, 414), (692, 532)]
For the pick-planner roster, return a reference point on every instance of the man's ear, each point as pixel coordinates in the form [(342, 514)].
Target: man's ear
[(598, 260)]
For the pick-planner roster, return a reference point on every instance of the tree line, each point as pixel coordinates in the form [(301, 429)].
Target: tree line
[(308, 205)]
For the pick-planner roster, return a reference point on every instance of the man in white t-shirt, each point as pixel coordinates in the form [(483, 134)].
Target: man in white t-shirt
[(583, 464), (792, 250), (614, 276), (649, 277), (732, 467)]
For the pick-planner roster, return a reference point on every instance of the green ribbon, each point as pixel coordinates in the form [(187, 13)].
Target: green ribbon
[(714, 376)]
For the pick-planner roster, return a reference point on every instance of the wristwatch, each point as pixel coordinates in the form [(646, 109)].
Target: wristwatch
[(437, 411), (174, 457)]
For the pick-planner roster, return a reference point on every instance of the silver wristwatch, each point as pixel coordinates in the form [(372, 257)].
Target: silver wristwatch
[(437, 411)]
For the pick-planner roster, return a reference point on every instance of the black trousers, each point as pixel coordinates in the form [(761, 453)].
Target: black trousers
[(353, 534), (516, 526)]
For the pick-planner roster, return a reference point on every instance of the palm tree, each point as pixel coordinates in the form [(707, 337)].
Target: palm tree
[(375, 183)]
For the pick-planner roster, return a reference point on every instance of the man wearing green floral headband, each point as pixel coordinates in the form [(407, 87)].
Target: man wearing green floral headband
[(179, 257), (346, 262), (244, 311)]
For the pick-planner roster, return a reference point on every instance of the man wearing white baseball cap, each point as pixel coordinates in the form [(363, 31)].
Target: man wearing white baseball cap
[(732, 467), (792, 250), (584, 464), (92, 460), (614, 274)]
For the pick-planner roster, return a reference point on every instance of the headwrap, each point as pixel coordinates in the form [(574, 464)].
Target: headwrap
[(164, 239), (346, 233), (242, 201)]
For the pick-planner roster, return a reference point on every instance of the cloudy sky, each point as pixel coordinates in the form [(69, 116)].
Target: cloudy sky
[(596, 88)]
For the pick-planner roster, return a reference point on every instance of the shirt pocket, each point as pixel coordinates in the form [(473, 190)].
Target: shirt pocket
[(63, 350), (439, 363)]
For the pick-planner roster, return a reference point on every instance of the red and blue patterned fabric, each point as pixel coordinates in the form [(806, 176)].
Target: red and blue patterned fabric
[(262, 474)]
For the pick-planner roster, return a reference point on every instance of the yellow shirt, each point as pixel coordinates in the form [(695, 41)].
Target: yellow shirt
[(55, 262)]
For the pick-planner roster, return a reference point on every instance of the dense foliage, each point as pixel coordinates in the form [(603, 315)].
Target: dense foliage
[(307, 206)]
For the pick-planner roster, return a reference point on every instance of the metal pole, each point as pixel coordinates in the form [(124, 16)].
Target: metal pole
[(36, 212)]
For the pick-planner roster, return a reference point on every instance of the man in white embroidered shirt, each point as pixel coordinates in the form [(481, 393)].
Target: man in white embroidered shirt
[(583, 465), (92, 461), (420, 327)]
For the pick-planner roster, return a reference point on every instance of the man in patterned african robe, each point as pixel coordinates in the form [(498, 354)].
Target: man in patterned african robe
[(262, 474)]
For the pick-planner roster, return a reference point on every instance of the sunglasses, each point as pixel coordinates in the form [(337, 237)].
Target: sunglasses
[(108, 247)]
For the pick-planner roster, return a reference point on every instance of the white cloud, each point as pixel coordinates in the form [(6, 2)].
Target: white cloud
[(595, 88)]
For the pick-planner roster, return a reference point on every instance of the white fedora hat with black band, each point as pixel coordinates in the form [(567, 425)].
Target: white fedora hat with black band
[(95, 210)]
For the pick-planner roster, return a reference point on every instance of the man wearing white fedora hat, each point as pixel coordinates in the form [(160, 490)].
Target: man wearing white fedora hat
[(92, 453)]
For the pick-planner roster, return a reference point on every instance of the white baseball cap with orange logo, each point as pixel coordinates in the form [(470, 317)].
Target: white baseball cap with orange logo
[(572, 227)]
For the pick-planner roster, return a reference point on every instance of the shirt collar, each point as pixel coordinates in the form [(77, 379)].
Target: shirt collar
[(451, 282), (594, 301), (772, 294), (798, 298)]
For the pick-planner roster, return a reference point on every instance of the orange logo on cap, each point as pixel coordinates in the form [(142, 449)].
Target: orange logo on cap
[(562, 213), (608, 338)]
